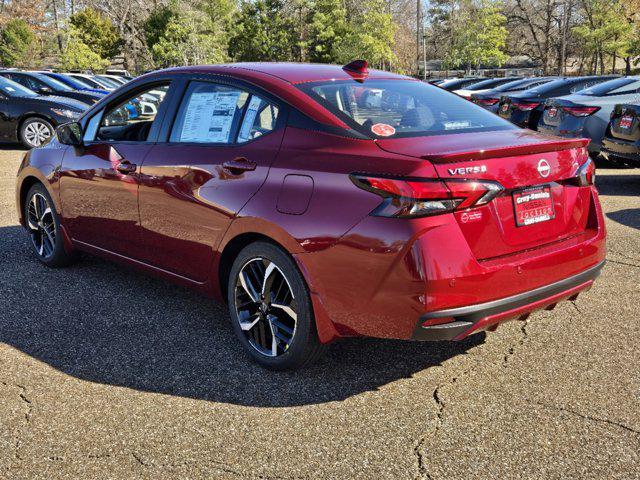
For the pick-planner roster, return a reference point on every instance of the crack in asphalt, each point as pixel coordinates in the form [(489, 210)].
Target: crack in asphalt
[(27, 416), (587, 417), (512, 348), (218, 465), (617, 262)]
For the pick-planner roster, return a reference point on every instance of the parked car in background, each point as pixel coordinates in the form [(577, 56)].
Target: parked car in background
[(587, 113), (119, 72), (621, 143), (107, 81), (458, 83), (30, 118), (483, 86), (491, 98), (44, 85), (114, 78), (75, 83), (525, 108), (90, 81), (316, 213)]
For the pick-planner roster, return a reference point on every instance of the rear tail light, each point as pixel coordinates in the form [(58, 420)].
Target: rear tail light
[(525, 106), (411, 198), (585, 175), (487, 101), (580, 111)]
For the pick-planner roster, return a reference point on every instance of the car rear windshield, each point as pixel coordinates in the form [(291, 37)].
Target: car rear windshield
[(606, 87), (401, 108)]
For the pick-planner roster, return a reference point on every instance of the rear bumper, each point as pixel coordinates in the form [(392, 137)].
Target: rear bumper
[(463, 321), (620, 148)]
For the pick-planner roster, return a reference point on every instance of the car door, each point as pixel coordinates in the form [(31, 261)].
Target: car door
[(99, 182), (217, 154)]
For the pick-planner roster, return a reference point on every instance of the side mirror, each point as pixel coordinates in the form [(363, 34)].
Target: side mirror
[(45, 91), (70, 134)]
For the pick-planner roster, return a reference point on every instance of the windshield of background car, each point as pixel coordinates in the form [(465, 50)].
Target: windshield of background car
[(13, 89), (608, 87), (87, 82), (56, 85), (72, 82), (401, 108)]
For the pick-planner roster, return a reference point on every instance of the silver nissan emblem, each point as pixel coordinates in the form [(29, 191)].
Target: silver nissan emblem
[(544, 169)]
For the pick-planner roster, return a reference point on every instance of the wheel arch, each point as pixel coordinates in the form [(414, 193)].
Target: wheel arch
[(26, 116)]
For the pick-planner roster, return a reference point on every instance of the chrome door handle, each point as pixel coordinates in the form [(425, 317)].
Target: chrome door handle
[(126, 168), (239, 164)]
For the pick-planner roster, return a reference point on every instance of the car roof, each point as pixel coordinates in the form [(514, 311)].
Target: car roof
[(289, 72)]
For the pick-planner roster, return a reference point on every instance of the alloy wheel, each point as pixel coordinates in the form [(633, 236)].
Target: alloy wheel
[(265, 307), (36, 133), (42, 226)]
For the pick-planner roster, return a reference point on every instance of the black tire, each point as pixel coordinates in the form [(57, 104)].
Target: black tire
[(49, 248), (296, 342), (35, 132)]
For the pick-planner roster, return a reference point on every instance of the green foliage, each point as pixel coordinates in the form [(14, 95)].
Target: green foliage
[(481, 38), (180, 35), (16, 41), (263, 33), (79, 56), (606, 29), (370, 36), (96, 32), (328, 30), (267, 31)]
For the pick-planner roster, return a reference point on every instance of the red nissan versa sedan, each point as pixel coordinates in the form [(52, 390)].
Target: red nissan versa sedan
[(321, 202)]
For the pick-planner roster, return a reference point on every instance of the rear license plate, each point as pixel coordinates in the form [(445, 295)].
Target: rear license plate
[(533, 205), (504, 108), (625, 122), (553, 112)]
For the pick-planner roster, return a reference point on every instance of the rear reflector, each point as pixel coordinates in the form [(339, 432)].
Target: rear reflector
[(410, 197), (581, 111)]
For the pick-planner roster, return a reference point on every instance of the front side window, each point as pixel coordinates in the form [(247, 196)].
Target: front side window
[(218, 114), (14, 89), (131, 119), (402, 108)]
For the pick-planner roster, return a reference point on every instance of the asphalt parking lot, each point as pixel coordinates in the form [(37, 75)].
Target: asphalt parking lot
[(106, 373)]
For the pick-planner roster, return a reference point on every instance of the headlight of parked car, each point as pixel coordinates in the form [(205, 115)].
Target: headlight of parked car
[(65, 113)]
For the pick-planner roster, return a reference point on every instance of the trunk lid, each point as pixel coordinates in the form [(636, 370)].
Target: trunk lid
[(535, 172), (625, 122)]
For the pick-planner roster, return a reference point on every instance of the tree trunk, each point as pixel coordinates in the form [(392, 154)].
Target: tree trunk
[(627, 65), (55, 19)]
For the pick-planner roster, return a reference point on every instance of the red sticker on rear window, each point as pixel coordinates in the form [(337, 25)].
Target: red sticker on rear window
[(383, 130)]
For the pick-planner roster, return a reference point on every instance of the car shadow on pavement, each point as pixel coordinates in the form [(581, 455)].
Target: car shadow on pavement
[(104, 323), (629, 217), (618, 185)]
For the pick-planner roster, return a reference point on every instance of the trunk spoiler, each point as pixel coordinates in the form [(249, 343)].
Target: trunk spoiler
[(551, 145)]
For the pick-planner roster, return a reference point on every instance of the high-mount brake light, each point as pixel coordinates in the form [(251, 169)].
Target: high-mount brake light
[(525, 106), (410, 197), (580, 111)]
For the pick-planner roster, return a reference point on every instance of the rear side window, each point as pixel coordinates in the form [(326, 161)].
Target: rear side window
[(218, 114), (402, 108)]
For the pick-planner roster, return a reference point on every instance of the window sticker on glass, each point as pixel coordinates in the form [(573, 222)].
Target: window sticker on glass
[(209, 117), (249, 119)]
